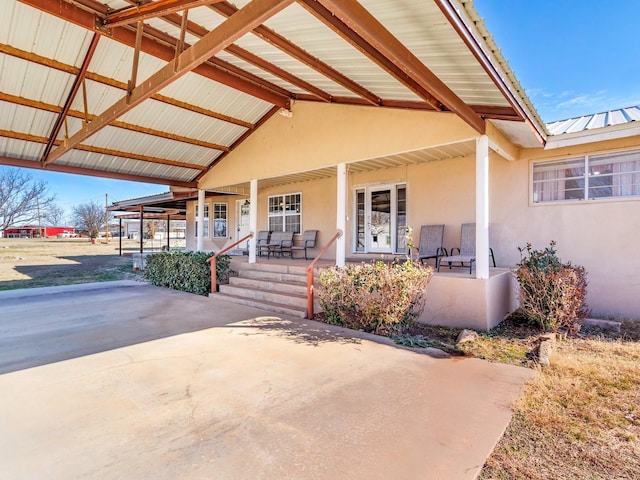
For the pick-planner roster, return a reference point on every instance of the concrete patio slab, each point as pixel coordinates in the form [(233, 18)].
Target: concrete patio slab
[(141, 382)]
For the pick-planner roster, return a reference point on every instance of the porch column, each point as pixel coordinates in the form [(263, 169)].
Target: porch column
[(482, 207), (200, 232), (341, 214), (253, 219)]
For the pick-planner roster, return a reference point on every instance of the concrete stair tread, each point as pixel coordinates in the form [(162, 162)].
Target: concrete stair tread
[(263, 305)]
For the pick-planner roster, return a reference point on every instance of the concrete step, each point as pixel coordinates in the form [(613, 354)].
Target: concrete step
[(263, 305), (280, 298), (273, 267), (275, 285), (268, 276)]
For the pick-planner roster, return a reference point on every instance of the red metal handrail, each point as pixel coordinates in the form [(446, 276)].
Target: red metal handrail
[(309, 271), (211, 260)]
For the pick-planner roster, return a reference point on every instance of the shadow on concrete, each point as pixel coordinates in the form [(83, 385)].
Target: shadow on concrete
[(70, 322)]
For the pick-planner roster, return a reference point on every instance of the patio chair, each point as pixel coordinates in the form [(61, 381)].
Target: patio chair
[(308, 241), (467, 250), (262, 242), (430, 245), (279, 243)]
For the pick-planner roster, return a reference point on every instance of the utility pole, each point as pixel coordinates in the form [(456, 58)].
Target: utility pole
[(39, 218), (106, 216)]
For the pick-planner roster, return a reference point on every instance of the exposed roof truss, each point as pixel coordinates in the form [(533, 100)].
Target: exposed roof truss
[(161, 91)]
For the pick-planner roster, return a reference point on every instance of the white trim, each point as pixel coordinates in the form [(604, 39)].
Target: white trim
[(253, 218), (341, 213), (200, 220), (482, 207)]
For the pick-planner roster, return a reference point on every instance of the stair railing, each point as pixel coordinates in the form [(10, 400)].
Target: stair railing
[(310, 269), (212, 261)]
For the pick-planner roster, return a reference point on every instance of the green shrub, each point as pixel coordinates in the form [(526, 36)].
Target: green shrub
[(186, 271), (375, 297), (552, 294)]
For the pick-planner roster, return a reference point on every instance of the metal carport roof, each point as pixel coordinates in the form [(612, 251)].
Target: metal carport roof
[(160, 91)]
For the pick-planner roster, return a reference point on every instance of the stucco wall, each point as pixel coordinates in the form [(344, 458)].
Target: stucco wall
[(319, 135), (600, 235)]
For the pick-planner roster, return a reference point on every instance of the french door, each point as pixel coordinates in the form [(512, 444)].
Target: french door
[(242, 221), (381, 219)]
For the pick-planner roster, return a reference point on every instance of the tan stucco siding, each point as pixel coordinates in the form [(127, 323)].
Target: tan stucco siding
[(319, 135), (211, 243)]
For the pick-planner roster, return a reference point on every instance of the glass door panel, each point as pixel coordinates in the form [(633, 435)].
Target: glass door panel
[(379, 227)]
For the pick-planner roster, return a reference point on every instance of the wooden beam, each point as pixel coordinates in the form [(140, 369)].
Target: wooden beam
[(126, 126), (220, 37), (339, 27), (72, 95), (198, 31), (135, 14), (19, 162), (370, 29), (221, 64), (79, 16), (95, 77), (278, 41), (104, 151)]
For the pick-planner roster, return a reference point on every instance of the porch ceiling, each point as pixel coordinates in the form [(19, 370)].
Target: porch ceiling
[(432, 154), (160, 91)]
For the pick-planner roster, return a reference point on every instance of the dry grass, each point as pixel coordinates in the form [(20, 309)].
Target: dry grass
[(29, 263), (578, 418)]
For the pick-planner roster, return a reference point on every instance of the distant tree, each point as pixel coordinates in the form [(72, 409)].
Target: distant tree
[(89, 218), (54, 215), (20, 198)]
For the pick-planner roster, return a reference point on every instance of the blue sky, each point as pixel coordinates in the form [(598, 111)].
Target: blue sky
[(572, 57)]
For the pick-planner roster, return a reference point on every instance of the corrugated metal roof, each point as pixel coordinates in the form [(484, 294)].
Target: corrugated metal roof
[(42, 48), (610, 118)]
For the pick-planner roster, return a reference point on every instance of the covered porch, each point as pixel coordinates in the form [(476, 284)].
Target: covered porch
[(453, 299)]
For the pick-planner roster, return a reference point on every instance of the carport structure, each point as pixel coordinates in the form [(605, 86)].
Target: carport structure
[(161, 91), (169, 91)]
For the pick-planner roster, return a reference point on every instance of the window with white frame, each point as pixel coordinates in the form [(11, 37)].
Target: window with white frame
[(220, 220), (589, 177), (285, 213), (206, 220)]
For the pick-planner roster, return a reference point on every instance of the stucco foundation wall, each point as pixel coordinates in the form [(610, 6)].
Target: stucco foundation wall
[(462, 301)]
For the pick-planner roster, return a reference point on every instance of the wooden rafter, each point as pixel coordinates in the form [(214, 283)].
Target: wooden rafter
[(353, 14), (80, 16), (302, 56), (199, 31), (63, 67), (335, 24), (19, 162), (219, 38), (104, 151), (72, 95), (26, 102), (135, 14), (219, 63)]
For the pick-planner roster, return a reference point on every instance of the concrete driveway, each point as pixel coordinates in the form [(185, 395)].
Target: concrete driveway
[(132, 381)]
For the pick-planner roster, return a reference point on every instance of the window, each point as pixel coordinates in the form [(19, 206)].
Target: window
[(206, 220), (220, 220), (613, 175), (285, 213)]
